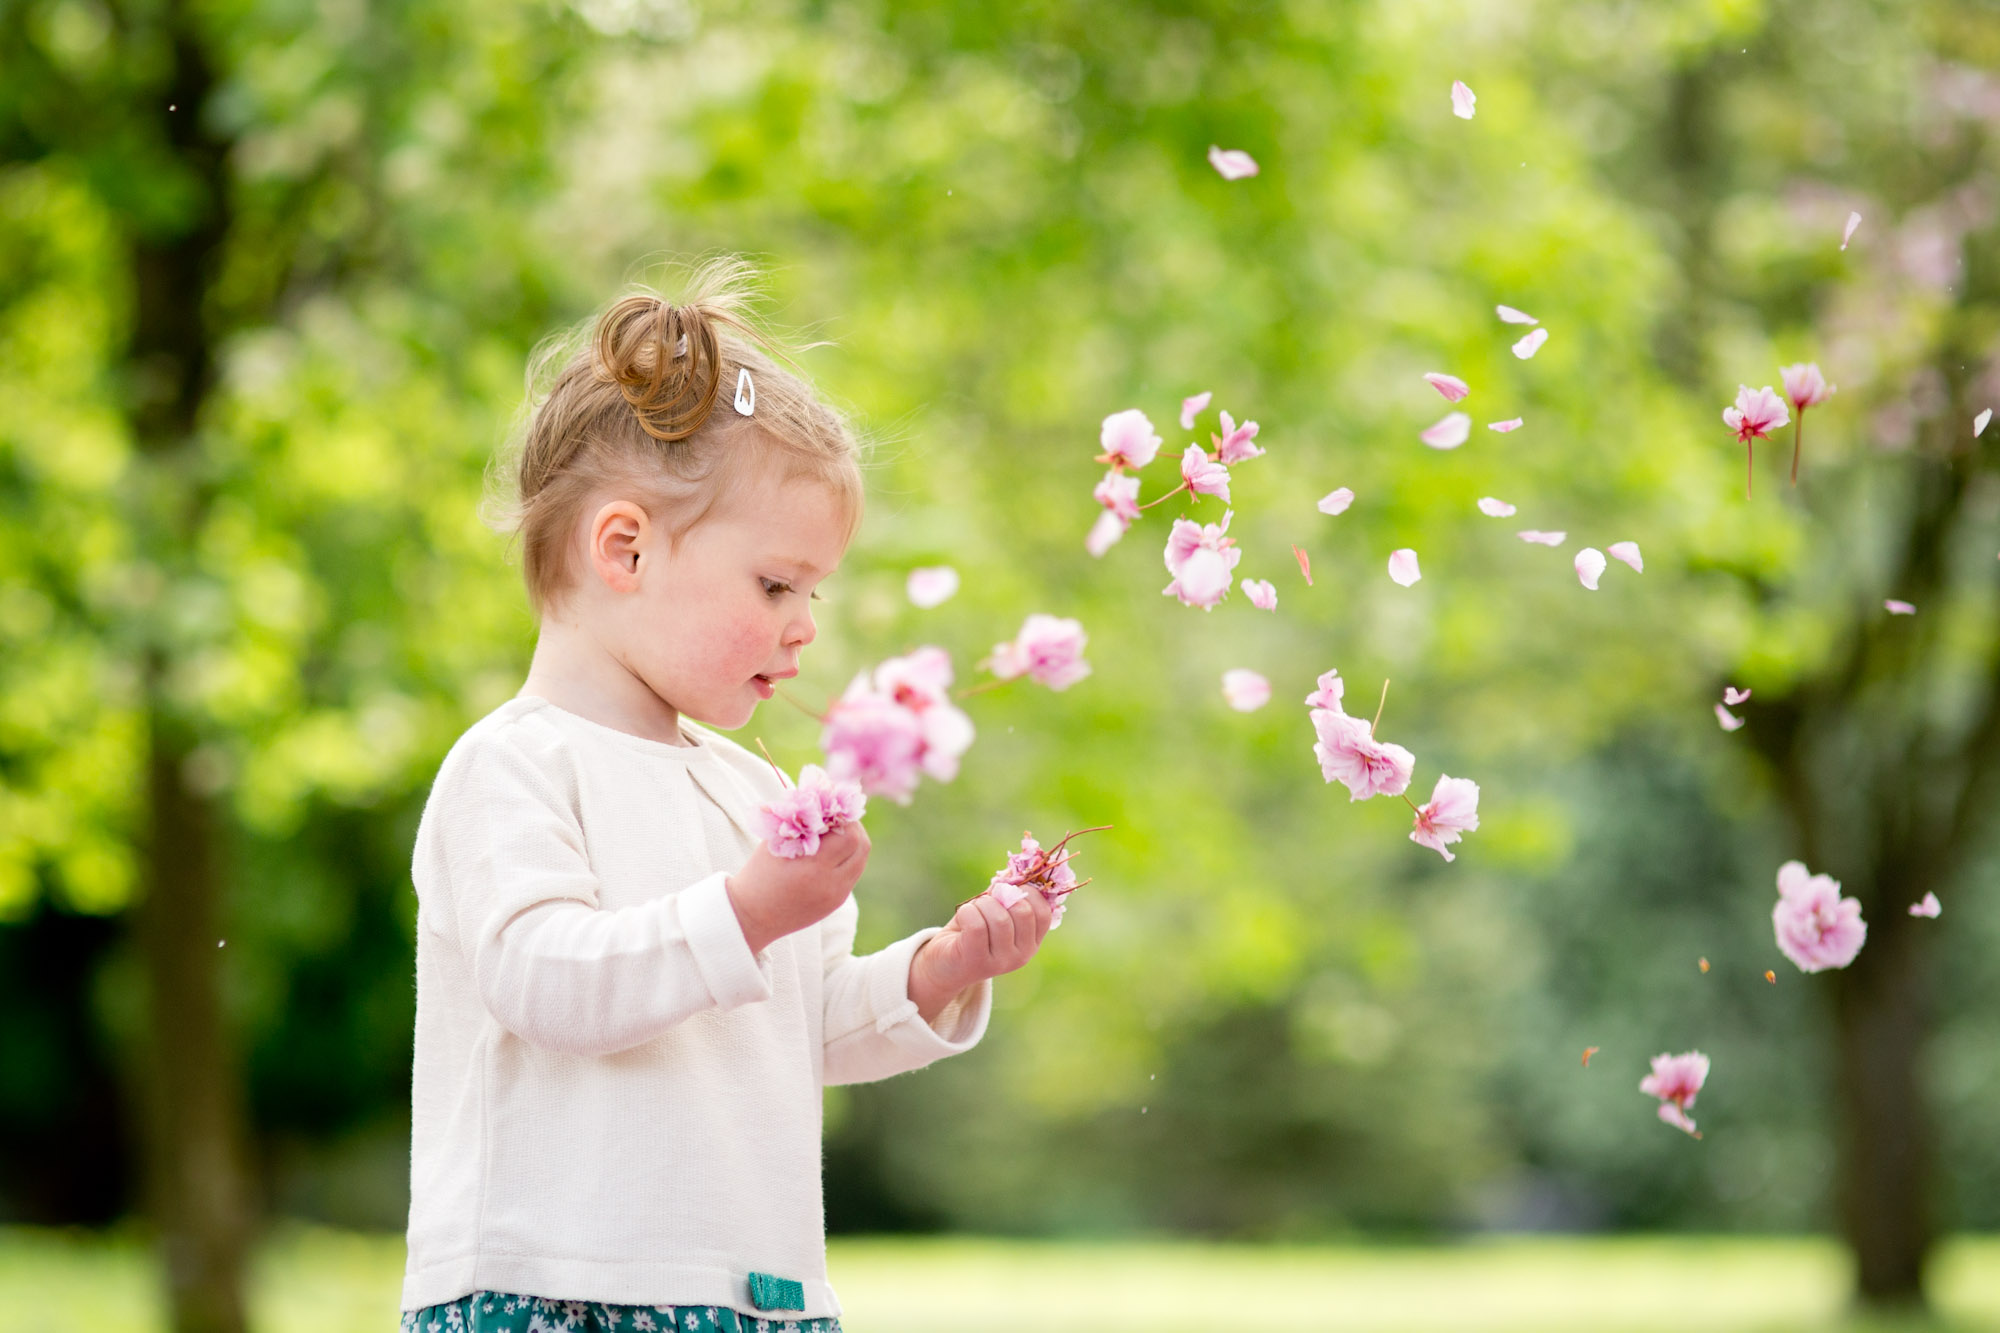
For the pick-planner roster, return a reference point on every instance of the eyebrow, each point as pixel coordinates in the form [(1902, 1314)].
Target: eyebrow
[(805, 567)]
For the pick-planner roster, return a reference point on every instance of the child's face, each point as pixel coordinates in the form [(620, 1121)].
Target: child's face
[(708, 626)]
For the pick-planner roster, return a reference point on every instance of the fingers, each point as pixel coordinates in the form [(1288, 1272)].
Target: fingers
[(1032, 916), (999, 926)]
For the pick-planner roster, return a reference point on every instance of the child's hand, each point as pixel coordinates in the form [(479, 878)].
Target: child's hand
[(983, 940), (774, 897)]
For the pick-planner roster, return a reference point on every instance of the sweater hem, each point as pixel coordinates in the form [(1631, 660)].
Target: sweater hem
[(608, 1283)]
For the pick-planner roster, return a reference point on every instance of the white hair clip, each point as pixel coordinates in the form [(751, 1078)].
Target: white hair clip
[(746, 392), (681, 347)]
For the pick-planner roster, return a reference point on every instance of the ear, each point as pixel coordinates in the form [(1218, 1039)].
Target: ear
[(617, 538)]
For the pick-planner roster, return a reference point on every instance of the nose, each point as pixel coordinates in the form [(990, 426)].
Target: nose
[(801, 631)]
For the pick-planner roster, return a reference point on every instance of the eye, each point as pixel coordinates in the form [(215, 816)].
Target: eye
[(775, 587)]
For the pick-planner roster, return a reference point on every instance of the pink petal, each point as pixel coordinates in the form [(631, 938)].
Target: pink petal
[(1728, 720), (1493, 508), (1104, 533), (1629, 553), (1451, 386), (1543, 538), (1007, 894), (1190, 406), (931, 586), (1847, 234), (1263, 594), (1733, 696), (1127, 439), (1896, 608), (1448, 433), (1232, 163), (1245, 690), (1928, 907), (1676, 1117), (1589, 566), (1979, 422), (1336, 501), (1305, 565), (1403, 566), (1462, 99), (1504, 426), (1512, 316), (1531, 344)]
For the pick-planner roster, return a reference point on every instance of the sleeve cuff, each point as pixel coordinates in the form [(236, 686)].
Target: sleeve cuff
[(733, 975), (960, 1024)]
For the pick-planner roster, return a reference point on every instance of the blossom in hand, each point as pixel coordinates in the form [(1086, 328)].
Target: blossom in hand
[(1236, 443), (1589, 567), (1453, 810), (1119, 494), (1336, 501), (1190, 407), (1203, 475), (1675, 1080), (1451, 386), (1202, 558), (1033, 870), (1450, 431), (1629, 553), (1403, 566), (1815, 926), (1048, 650), (1531, 344), (1462, 99), (1928, 905), (1493, 508), (1128, 439), (1263, 594), (1232, 164), (1246, 690), (931, 586), (792, 824)]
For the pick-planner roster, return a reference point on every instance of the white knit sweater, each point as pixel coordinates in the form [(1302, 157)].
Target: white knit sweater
[(614, 1099)]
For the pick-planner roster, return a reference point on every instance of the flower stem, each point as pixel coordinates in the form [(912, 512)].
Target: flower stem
[(1798, 433), (1379, 703), (772, 762), (1168, 496), (1749, 474), (982, 687), (1412, 804), (788, 698)]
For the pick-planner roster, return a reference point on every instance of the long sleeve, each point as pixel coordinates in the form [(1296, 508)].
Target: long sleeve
[(871, 1025), (553, 966)]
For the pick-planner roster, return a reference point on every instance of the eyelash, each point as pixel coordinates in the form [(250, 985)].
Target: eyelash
[(773, 588)]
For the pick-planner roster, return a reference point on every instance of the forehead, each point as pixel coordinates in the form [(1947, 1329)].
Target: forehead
[(797, 521)]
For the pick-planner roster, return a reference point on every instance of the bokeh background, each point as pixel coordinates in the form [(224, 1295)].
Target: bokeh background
[(270, 275)]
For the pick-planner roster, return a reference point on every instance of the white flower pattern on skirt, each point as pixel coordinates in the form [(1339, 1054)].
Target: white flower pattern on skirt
[(500, 1312)]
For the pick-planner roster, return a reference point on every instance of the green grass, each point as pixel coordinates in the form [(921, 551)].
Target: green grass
[(313, 1280)]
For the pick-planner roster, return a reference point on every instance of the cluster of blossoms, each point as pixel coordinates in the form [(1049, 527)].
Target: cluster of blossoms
[(1349, 753), (1045, 872), (793, 824), (897, 724), (1815, 926), (1758, 412)]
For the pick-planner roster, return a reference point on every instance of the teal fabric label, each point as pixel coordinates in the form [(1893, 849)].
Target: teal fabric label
[(776, 1293)]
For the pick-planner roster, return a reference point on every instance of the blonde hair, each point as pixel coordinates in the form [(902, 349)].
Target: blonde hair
[(633, 407)]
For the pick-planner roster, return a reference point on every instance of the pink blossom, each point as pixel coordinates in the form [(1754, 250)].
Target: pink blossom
[(1675, 1080), (931, 586), (1462, 99), (1511, 424), (1756, 414), (1232, 163), (1512, 316), (1128, 439), (1979, 422), (1727, 720), (1493, 508), (1531, 344), (1896, 608), (1452, 810), (1733, 696), (1348, 752), (1201, 558), (1542, 538), (1449, 432), (1336, 501), (1804, 385), (1190, 407), (1032, 869), (1847, 232), (1815, 926), (1328, 695), (1629, 553), (1263, 594), (1589, 567), (792, 824), (1048, 650), (895, 723), (1403, 566), (918, 680), (1451, 386), (1104, 533), (1245, 690), (1119, 494), (1236, 443), (1928, 905), (1204, 476)]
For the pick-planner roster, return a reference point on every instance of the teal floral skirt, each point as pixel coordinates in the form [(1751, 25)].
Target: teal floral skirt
[(498, 1312)]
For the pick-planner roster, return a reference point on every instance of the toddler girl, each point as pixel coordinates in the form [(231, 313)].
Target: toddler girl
[(626, 1005)]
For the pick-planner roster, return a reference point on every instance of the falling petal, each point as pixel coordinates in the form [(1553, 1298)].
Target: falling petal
[(1263, 594), (1403, 566), (1451, 386), (1245, 690), (1589, 567), (1493, 508), (1504, 426), (1336, 501), (1728, 720), (1928, 907), (1896, 608), (1531, 344), (1232, 163), (1305, 565), (1510, 315), (1191, 406), (1847, 234), (931, 586), (1979, 423), (1588, 1051), (1462, 99), (1104, 534), (1629, 553), (1543, 538), (1448, 433), (1733, 696)]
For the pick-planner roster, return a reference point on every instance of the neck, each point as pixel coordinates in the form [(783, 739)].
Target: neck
[(578, 673)]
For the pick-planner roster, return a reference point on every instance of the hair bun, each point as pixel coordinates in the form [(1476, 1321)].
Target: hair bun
[(665, 360)]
